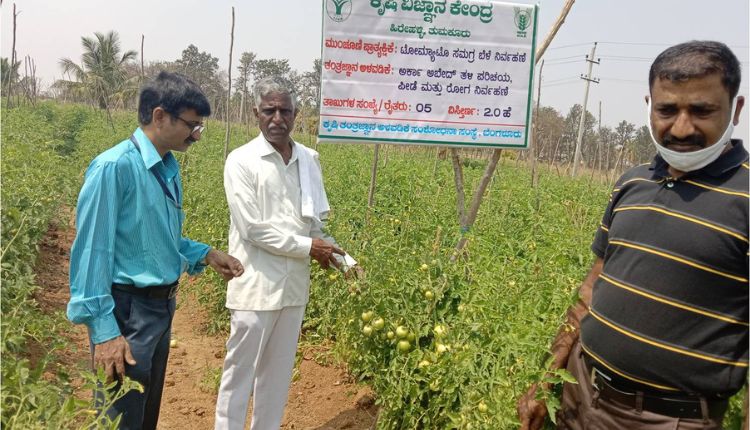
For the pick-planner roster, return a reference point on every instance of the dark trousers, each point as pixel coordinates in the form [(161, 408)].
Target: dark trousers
[(146, 325), (581, 410)]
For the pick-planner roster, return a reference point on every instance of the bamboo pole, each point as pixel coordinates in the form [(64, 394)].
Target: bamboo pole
[(373, 177), (492, 165), (229, 90), (12, 60)]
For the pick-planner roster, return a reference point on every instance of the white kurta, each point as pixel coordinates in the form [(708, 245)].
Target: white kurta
[(267, 232)]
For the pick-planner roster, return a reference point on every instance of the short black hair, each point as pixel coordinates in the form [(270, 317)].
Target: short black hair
[(695, 59), (174, 93)]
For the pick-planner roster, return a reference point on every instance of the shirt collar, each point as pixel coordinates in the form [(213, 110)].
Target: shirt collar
[(167, 166), (727, 161), (268, 149)]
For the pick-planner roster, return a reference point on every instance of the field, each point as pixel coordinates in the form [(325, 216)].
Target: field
[(443, 344)]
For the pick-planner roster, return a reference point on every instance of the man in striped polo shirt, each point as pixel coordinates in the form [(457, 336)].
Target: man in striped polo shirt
[(663, 313)]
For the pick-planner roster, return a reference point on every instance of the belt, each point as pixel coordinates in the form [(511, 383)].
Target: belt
[(685, 406), (152, 292)]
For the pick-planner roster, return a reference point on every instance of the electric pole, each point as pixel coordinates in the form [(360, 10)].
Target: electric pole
[(589, 80)]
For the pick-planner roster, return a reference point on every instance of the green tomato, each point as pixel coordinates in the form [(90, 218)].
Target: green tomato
[(440, 348), (367, 330), (402, 332), (411, 337), (367, 316), (423, 363), (424, 267), (482, 407), (428, 295), (404, 345), (378, 324), (390, 334), (439, 331), (461, 307)]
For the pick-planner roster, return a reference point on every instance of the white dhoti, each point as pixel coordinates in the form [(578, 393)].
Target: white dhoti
[(259, 362)]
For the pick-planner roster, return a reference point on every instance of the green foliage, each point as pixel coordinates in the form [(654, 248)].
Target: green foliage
[(102, 72), (499, 307), (41, 169), (475, 332)]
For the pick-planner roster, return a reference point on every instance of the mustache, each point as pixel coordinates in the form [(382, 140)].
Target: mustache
[(693, 140)]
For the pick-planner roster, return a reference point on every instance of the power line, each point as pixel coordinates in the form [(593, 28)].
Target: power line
[(661, 44), (560, 83), (561, 58), (628, 57), (632, 43), (565, 62), (560, 79), (569, 46), (640, 81)]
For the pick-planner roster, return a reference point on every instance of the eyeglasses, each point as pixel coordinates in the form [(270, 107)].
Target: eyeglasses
[(195, 128)]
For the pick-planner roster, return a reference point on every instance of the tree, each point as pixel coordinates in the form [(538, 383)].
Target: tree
[(9, 74), (271, 67), (642, 147), (309, 86), (607, 139), (102, 74), (201, 67), (549, 129), (570, 135), (242, 83)]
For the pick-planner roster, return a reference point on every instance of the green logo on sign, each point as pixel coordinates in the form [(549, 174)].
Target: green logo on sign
[(338, 10), (522, 20)]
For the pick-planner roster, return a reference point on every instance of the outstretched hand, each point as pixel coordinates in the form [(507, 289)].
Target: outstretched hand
[(227, 266), (531, 411), (323, 252)]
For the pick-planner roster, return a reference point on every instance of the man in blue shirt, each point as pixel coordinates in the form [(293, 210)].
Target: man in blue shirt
[(129, 251)]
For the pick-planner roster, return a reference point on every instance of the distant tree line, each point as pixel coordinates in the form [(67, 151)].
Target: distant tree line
[(108, 77)]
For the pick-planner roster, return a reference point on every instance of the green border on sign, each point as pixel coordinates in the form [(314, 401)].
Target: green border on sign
[(420, 142), (353, 139), (529, 117)]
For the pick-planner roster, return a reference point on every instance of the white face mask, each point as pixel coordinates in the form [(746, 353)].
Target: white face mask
[(694, 160)]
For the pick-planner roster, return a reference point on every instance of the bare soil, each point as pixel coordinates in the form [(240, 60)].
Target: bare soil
[(322, 396)]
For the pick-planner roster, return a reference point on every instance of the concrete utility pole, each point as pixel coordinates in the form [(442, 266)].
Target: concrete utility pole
[(589, 80)]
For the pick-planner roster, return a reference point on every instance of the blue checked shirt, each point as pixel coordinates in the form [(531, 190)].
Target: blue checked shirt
[(128, 232)]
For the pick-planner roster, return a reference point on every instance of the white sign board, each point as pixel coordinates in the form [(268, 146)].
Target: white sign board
[(449, 72)]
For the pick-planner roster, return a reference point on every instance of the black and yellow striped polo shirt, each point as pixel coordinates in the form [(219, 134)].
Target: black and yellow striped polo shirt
[(670, 309)]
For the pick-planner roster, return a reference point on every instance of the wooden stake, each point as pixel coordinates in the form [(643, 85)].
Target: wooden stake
[(12, 60), (459, 179), (143, 70), (229, 89), (373, 177), (490, 169)]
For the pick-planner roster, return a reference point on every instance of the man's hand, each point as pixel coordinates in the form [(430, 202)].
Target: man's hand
[(323, 251), (531, 412), (112, 356), (226, 265)]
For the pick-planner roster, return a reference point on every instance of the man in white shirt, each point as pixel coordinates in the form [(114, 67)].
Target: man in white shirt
[(277, 204)]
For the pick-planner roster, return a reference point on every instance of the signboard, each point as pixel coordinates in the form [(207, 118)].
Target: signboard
[(450, 73)]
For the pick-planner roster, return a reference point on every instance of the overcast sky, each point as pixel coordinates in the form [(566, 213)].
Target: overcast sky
[(630, 34)]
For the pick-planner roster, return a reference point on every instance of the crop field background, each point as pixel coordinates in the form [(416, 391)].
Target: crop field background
[(443, 344)]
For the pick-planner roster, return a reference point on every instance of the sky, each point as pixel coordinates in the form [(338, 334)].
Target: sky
[(630, 34)]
